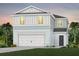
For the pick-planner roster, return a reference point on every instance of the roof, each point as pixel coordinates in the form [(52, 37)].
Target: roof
[(58, 16), (35, 10), (60, 29), (31, 10), (33, 13)]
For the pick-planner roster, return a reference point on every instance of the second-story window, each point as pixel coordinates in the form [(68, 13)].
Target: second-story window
[(59, 23), (21, 20), (40, 19)]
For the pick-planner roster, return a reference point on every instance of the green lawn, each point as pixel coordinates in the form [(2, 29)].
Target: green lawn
[(45, 52)]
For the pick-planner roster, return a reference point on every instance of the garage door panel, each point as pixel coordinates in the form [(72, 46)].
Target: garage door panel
[(31, 40)]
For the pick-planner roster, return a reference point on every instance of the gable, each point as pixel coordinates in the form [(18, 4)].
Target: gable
[(31, 9)]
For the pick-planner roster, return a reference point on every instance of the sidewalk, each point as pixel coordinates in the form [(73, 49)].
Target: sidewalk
[(3, 50)]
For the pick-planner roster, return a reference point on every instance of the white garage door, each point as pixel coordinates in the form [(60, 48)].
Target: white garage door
[(31, 40)]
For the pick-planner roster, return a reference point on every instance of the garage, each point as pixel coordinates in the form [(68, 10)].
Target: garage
[(31, 40)]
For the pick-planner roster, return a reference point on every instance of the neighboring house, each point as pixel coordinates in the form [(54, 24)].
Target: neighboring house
[(34, 27)]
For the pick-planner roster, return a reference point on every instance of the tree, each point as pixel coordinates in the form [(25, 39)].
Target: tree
[(1, 36), (73, 32), (8, 33), (1, 31)]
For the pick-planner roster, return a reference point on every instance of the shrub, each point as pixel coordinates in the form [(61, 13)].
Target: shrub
[(53, 46), (73, 45), (14, 45), (68, 46), (3, 46)]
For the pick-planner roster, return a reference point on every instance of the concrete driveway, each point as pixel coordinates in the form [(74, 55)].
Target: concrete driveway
[(3, 50)]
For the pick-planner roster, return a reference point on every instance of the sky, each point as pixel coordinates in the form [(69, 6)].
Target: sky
[(69, 10)]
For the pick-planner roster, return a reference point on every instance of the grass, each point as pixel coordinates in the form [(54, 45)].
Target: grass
[(44, 52)]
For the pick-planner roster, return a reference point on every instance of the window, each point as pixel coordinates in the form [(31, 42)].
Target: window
[(22, 20), (61, 40), (40, 19), (59, 23)]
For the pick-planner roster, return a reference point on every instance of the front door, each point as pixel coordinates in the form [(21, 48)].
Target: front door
[(61, 40)]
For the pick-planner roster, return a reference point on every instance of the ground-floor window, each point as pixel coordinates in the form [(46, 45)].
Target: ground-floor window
[(61, 40)]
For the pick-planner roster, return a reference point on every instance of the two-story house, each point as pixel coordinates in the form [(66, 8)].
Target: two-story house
[(35, 27)]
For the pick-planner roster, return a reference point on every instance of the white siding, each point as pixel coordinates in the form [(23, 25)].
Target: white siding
[(46, 20), (31, 20), (16, 20), (52, 23)]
